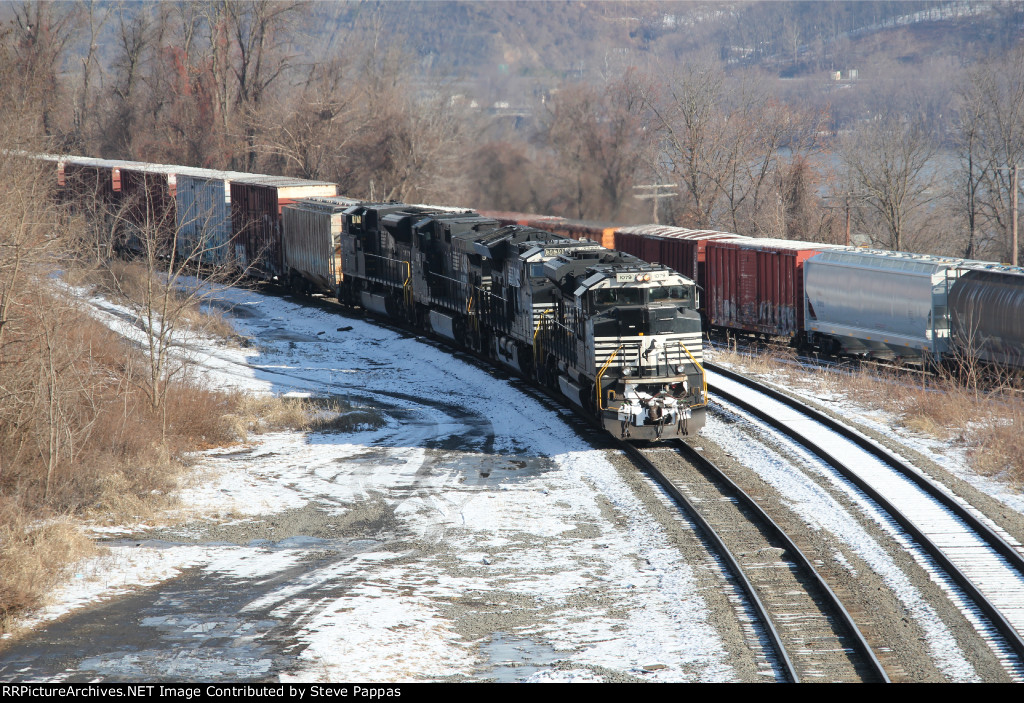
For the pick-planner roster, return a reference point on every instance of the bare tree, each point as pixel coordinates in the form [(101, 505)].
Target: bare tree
[(159, 285), (41, 32), (134, 41), (991, 143), (259, 30), (311, 130), (601, 140), (723, 139), (889, 165), (27, 236), (86, 118), (692, 126), (758, 128)]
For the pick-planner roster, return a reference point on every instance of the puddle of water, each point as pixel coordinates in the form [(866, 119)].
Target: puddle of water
[(372, 457), (241, 310), (514, 659), (271, 332)]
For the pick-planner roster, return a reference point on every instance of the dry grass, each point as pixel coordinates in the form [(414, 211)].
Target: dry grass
[(79, 438), (997, 449), (271, 413), (986, 422), (33, 557)]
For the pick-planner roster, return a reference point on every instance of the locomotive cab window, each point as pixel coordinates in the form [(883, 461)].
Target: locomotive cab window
[(610, 297), (670, 294)]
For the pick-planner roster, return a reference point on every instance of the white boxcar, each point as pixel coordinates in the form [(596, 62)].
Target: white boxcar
[(879, 303), (203, 214), (312, 242)]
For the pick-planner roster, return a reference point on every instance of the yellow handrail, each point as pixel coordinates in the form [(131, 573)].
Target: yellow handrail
[(600, 400), (536, 332), (703, 376), (406, 285)]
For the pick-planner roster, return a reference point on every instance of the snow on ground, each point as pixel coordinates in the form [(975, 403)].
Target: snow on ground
[(487, 498), (951, 457), (821, 511)]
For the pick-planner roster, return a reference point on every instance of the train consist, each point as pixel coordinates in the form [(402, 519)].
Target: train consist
[(611, 317), (833, 299), (618, 336)]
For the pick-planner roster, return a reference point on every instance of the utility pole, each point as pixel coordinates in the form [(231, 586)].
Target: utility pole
[(656, 195), (848, 199), (1013, 215), (1014, 184), (847, 219)]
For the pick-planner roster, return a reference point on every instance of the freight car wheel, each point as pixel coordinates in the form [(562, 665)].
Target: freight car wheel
[(295, 283)]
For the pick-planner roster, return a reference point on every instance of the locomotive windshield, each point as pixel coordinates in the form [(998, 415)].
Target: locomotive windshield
[(610, 297), (669, 294)]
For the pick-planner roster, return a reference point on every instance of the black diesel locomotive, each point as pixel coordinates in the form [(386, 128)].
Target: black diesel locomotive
[(617, 336)]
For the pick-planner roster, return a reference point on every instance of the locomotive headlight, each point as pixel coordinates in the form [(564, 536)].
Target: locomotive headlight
[(639, 278), (647, 277), (628, 370)]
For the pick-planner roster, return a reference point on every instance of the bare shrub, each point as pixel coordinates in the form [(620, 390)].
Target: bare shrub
[(129, 282), (760, 363), (79, 437), (996, 449)]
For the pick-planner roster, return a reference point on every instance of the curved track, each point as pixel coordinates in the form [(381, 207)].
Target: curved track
[(813, 635), (988, 569)]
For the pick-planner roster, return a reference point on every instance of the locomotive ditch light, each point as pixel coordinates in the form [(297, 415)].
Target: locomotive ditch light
[(680, 368), (628, 370)]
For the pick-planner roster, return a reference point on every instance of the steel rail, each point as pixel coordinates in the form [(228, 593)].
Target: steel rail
[(718, 543), (998, 620), (860, 643)]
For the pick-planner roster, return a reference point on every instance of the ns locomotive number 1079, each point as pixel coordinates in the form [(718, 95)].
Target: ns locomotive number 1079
[(617, 336)]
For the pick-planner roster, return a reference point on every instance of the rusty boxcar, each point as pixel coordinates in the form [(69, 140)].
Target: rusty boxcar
[(757, 285), (256, 203)]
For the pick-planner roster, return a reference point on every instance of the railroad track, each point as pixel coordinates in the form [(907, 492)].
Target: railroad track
[(812, 634), (815, 655), (967, 552)]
